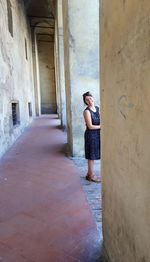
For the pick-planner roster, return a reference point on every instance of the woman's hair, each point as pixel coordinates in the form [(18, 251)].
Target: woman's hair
[(84, 96)]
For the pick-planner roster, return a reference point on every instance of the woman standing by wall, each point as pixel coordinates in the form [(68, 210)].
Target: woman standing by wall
[(92, 135)]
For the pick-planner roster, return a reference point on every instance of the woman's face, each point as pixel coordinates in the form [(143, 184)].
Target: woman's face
[(89, 100)]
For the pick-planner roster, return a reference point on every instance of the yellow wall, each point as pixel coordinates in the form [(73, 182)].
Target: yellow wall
[(125, 98)]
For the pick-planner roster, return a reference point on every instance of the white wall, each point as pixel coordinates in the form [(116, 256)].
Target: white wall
[(16, 81)]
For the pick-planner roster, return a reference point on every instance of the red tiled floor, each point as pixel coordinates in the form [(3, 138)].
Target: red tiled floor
[(44, 215)]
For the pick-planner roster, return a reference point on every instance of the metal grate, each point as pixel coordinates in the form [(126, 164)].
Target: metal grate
[(15, 114), (30, 109)]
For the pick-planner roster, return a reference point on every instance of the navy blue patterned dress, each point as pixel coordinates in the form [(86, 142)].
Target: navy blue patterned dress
[(92, 137)]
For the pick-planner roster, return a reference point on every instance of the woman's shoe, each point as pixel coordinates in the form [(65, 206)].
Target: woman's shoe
[(93, 178)]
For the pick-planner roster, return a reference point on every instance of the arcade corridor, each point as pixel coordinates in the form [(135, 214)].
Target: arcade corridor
[(51, 52)]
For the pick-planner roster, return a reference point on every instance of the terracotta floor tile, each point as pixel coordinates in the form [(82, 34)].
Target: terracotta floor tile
[(44, 214)]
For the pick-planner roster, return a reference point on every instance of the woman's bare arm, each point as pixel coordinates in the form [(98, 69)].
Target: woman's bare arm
[(88, 120)]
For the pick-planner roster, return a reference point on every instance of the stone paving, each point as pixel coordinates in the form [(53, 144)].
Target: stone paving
[(92, 191), (93, 195)]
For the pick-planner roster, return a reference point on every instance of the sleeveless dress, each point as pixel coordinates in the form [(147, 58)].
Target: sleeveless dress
[(92, 137)]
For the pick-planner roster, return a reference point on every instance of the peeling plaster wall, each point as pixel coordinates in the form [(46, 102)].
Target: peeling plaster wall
[(15, 73), (47, 77), (125, 98), (81, 31)]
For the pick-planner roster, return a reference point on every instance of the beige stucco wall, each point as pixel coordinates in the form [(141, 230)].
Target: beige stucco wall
[(16, 82), (81, 38), (125, 96), (47, 76)]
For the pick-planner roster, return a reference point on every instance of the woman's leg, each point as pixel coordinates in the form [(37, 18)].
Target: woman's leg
[(90, 175), (90, 168)]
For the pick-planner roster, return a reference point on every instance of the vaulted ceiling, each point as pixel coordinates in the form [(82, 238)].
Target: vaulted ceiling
[(44, 8), (41, 15)]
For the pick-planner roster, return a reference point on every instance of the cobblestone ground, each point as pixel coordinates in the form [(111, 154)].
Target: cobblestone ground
[(93, 194)]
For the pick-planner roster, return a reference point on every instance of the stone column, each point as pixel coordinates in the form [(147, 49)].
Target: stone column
[(59, 62), (57, 71), (125, 98), (81, 32), (36, 74)]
